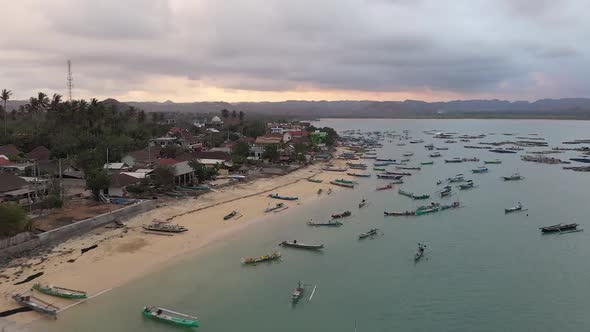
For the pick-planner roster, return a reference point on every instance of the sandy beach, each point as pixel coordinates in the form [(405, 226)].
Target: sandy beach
[(124, 254)]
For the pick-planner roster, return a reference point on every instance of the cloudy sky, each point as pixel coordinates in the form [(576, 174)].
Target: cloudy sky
[(250, 50)]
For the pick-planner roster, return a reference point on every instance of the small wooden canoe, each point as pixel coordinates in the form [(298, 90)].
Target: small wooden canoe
[(169, 316), (60, 291), (295, 244)]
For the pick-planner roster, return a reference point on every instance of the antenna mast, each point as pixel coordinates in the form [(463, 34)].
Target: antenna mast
[(70, 80)]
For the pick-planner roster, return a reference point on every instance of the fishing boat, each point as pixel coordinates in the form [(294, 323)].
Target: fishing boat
[(408, 154), (405, 193), (420, 252), (232, 214), (165, 228), (286, 198), (379, 169), (263, 258), (454, 205), (334, 169), (432, 208), (481, 169), (559, 228), (402, 162), (435, 155), (446, 191), (389, 176), (169, 316), (441, 149), (457, 178), (358, 167), (278, 206), (471, 159), (389, 186), (342, 184), (581, 160), (331, 223), (495, 161), (295, 244), (385, 159), (382, 164), (417, 141), (360, 175), (396, 213), (418, 197), (297, 293), (409, 168), (36, 304), (518, 207), (468, 185), (501, 151), (371, 232), (341, 215), (399, 173), (314, 180), (60, 291), (362, 203), (454, 160), (513, 177), (427, 163)]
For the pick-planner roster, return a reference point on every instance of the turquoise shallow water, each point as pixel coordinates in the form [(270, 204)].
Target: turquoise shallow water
[(484, 270)]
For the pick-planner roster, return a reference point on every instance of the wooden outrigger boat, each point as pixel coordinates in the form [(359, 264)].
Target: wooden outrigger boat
[(362, 203), (471, 159), (559, 228), (36, 304), (371, 232), (423, 196), (295, 244), (389, 176), (468, 185), (231, 215), (409, 168), (60, 291), (360, 175), (513, 177), (276, 207), (264, 258), (389, 186), (297, 293), (333, 169), (169, 316), (314, 180), (405, 193), (379, 169), (446, 191), (420, 252), (399, 173), (454, 160), (435, 155), (427, 163), (331, 223), (495, 161), (341, 215), (457, 178), (518, 207), (286, 198), (396, 213), (165, 228), (342, 184), (408, 154), (382, 164), (422, 210)]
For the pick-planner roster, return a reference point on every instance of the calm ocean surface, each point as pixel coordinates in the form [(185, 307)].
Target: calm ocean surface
[(483, 270)]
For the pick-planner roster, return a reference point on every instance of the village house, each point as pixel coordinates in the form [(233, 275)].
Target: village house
[(267, 139), (163, 142), (39, 153), (118, 184), (10, 152), (143, 158), (183, 172)]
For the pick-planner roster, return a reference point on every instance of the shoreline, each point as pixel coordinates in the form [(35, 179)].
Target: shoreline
[(126, 254)]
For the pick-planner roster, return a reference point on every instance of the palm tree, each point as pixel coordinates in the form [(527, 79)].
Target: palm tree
[(234, 114), (225, 113), (55, 101), (241, 116), (43, 100), (5, 95)]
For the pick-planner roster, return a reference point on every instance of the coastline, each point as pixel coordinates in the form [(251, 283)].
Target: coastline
[(126, 254)]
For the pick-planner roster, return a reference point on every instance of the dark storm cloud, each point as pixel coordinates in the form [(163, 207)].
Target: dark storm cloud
[(465, 47)]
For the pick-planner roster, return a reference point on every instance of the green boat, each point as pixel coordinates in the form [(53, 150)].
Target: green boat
[(314, 180), (379, 169), (230, 215), (424, 196), (344, 181), (170, 316), (60, 292), (427, 163)]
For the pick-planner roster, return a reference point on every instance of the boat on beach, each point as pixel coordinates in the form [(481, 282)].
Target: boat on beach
[(276, 207), (334, 169), (286, 198), (231, 215), (59, 291), (342, 184), (169, 316), (371, 232), (518, 207), (314, 180), (389, 176), (331, 223), (360, 175), (341, 215), (36, 304), (264, 258), (164, 228), (295, 244), (559, 228), (379, 169)]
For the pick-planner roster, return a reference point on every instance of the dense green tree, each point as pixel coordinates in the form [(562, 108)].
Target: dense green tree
[(240, 151), (202, 172), (225, 113), (241, 116), (255, 129), (13, 219), (97, 180), (163, 177), (271, 152)]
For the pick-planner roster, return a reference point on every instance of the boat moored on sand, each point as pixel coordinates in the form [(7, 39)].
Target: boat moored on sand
[(59, 291), (286, 198), (36, 304)]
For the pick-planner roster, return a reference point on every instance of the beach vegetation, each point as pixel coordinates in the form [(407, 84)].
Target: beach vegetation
[(13, 219)]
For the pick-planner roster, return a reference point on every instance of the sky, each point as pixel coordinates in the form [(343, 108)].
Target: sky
[(273, 50)]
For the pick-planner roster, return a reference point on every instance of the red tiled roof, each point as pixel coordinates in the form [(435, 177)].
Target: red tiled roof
[(9, 150), (5, 162), (212, 155), (167, 161), (39, 153)]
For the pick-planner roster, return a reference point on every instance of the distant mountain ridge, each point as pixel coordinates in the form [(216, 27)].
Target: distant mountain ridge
[(566, 108)]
